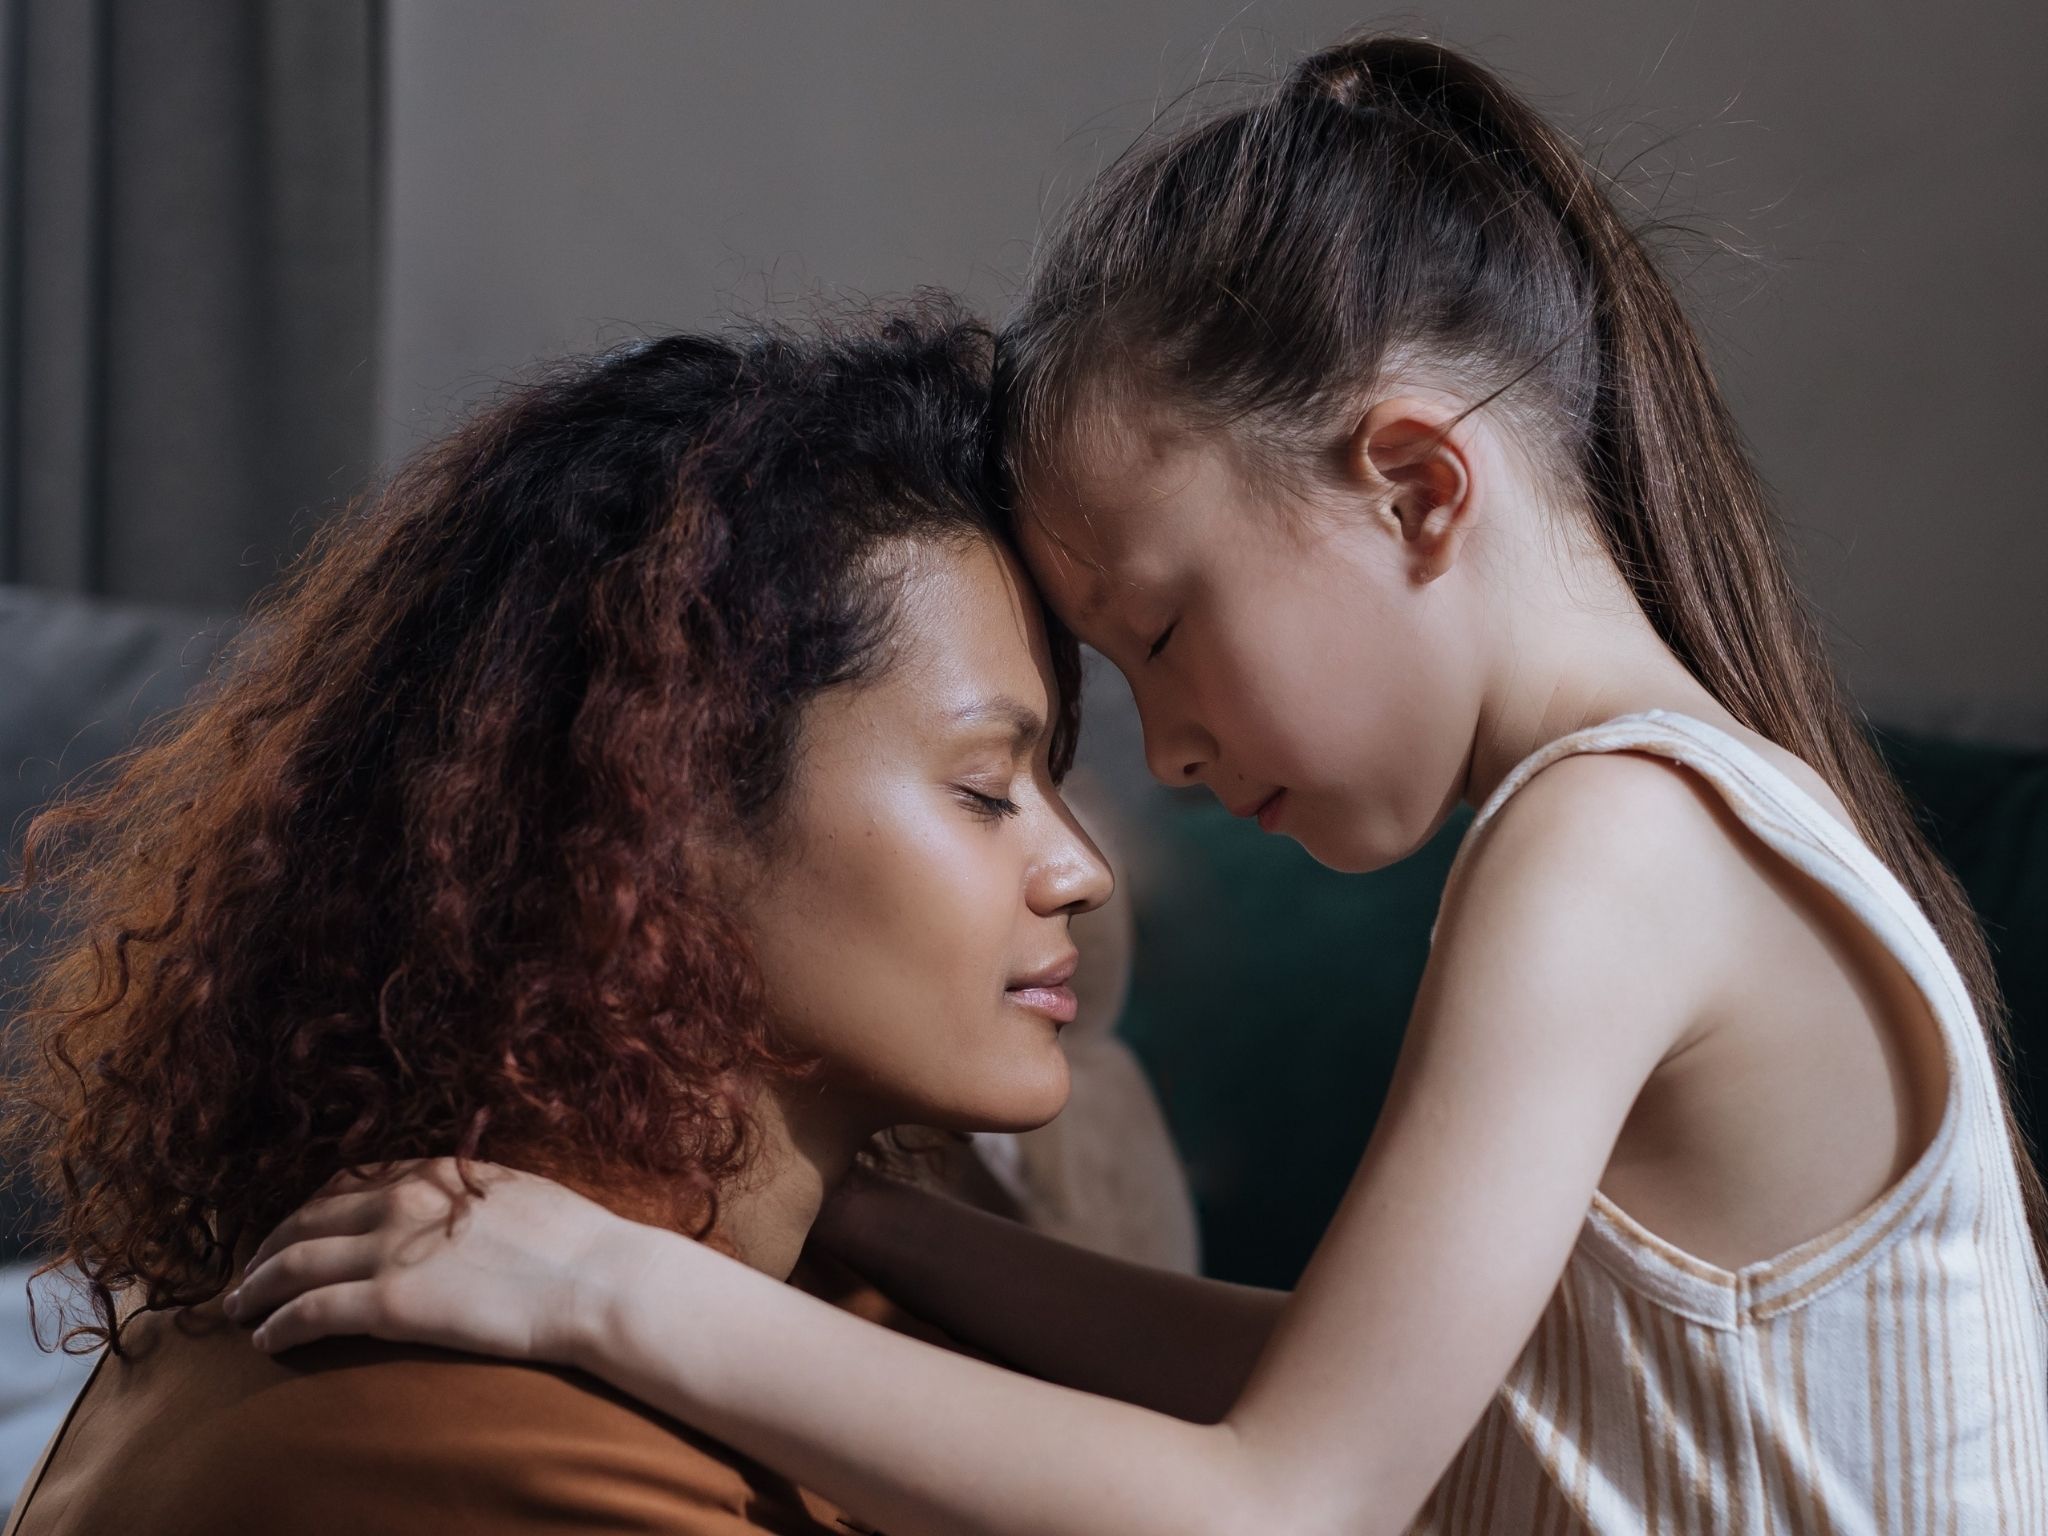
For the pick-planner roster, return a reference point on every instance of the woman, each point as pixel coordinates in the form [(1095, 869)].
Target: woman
[(655, 789)]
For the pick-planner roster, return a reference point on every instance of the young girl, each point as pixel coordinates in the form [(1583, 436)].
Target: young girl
[(1358, 430)]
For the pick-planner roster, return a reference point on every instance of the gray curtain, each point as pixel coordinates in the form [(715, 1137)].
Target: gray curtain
[(188, 252), (187, 287)]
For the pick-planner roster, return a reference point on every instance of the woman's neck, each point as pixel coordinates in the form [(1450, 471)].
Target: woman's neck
[(801, 1157)]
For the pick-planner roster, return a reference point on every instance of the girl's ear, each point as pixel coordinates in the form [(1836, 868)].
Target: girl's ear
[(1402, 452)]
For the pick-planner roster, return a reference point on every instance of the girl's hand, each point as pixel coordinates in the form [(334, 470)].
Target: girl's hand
[(419, 1259)]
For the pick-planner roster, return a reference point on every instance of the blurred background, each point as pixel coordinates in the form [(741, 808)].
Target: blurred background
[(253, 251)]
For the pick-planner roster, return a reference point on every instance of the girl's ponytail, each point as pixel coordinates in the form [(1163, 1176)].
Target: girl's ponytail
[(1392, 196)]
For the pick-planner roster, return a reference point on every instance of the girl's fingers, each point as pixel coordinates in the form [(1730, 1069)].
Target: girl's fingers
[(346, 1308), (322, 1216), (374, 1176), (358, 1200), (301, 1267)]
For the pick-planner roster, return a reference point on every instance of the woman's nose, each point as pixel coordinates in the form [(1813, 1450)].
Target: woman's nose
[(1074, 877)]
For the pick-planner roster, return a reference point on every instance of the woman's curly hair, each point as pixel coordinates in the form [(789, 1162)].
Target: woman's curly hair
[(431, 865)]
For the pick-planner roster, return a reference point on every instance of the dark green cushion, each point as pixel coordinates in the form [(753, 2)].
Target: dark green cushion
[(1987, 810), (1269, 994), (1267, 1000)]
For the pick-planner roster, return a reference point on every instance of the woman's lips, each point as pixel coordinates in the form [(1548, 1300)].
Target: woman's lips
[(1057, 1003), (1269, 813), (1046, 989)]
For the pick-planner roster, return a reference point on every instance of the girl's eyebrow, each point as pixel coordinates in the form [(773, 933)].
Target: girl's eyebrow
[(1092, 570), (1101, 597), (1099, 588)]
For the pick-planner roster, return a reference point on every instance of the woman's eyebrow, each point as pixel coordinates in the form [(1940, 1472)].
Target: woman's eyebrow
[(1026, 725)]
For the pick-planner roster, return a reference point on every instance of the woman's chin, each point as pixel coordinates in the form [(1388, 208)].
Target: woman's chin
[(1029, 1121), (1022, 1102)]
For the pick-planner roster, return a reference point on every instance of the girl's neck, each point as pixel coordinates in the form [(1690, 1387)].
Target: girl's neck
[(1574, 663)]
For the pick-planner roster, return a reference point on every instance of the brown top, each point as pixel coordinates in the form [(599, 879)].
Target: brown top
[(195, 1432)]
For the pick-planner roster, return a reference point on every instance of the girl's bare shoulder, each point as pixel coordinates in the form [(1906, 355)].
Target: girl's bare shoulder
[(1630, 824), (1619, 875)]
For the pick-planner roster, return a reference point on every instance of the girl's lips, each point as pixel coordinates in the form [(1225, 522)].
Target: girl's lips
[(1269, 813), (1057, 1003)]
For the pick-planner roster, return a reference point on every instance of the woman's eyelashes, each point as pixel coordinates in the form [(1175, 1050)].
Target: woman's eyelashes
[(988, 807), (1165, 635)]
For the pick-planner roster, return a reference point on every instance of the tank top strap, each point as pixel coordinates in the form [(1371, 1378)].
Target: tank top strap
[(1799, 829), (1793, 825)]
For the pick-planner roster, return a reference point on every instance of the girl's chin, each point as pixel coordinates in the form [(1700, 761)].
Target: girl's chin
[(1360, 850)]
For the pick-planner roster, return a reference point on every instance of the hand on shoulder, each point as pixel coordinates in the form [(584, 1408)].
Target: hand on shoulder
[(487, 1259)]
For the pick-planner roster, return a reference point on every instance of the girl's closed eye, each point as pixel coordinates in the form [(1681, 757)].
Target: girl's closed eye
[(1165, 635)]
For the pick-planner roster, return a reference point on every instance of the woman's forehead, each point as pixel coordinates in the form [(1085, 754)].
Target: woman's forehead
[(964, 647), (970, 611)]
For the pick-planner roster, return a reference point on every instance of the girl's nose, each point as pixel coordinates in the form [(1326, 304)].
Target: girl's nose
[(1175, 751)]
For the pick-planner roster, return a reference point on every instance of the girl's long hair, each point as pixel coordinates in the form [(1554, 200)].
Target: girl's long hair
[(433, 867), (1393, 202)]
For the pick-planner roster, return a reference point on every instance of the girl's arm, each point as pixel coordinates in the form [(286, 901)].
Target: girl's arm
[(1175, 1343), (1566, 967)]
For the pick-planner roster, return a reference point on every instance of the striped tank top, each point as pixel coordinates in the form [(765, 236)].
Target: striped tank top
[(1889, 1376)]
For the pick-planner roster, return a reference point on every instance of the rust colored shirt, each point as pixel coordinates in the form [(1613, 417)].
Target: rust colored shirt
[(195, 1432)]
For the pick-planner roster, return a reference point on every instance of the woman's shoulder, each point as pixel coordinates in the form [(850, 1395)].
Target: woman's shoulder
[(355, 1434), (515, 1439)]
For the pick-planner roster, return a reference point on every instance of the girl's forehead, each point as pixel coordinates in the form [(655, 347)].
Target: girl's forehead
[(1092, 495), (1108, 489), (1063, 547), (1104, 513)]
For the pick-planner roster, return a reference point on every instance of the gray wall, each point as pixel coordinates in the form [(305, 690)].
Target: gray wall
[(565, 170)]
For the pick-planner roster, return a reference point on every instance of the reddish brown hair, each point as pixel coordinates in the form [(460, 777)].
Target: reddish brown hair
[(429, 868), (1392, 200)]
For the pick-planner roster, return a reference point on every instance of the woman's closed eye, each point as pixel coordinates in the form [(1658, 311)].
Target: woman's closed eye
[(989, 807), (1165, 635)]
